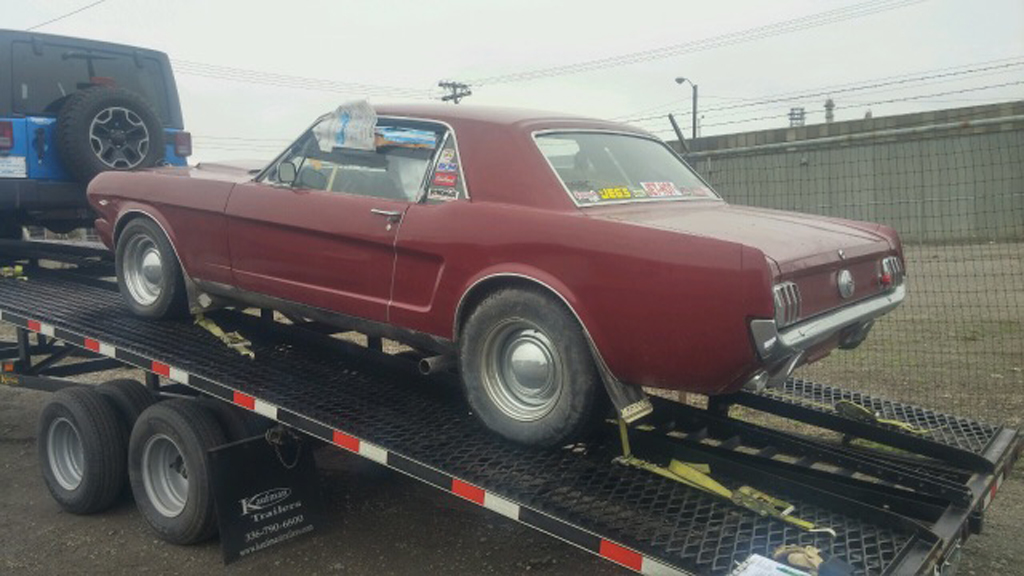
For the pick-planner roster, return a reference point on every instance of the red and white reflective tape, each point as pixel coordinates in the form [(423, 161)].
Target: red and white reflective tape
[(991, 492), (361, 447)]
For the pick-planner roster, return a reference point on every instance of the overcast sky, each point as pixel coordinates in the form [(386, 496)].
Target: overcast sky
[(408, 46)]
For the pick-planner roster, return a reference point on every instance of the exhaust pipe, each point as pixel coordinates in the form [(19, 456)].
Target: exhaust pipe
[(435, 364)]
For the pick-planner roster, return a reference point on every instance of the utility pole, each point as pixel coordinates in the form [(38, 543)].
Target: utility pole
[(457, 91), (680, 81)]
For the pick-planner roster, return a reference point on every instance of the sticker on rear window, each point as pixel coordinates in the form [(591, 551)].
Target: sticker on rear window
[(447, 167), (618, 193), (447, 155), (661, 189), (586, 196)]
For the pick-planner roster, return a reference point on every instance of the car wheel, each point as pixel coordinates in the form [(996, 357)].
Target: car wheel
[(148, 272), (168, 470), (103, 129), (81, 450), (527, 369)]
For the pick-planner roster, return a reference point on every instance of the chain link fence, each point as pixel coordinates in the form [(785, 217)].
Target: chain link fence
[(952, 184)]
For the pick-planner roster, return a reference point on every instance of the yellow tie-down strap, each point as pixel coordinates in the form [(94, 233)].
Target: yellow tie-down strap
[(697, 475), (232, 340), (855, 411), (15, 271)]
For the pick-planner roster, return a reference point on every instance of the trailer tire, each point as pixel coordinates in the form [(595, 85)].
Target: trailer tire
[(130, 398), (149, 276), (527, 369), (168, 470), (236, 423), (81, 450)]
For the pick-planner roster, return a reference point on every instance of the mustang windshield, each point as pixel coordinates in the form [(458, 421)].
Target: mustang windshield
[(607, 168)]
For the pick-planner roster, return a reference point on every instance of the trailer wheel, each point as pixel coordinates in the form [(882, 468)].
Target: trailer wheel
[(527, 370), (168, 470), (148, 274), (81, 450)]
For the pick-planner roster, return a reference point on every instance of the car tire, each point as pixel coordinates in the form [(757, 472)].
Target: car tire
[(101, 129), (148, 273), (130, 398), (81, 450), (527, 369), (168, 470)]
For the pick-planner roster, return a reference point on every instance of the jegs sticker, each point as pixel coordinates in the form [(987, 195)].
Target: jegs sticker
[(447, 167), (618, 193), (443, 194), (447, 155), (661, 189), (586, 196), (445, 179)]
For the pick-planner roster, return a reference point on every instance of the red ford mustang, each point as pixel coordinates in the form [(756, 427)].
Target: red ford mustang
[(554, 257)]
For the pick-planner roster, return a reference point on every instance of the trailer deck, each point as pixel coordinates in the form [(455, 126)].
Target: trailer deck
[(902, 510)]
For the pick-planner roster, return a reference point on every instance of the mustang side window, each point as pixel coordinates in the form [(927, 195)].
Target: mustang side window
[(396, 169)]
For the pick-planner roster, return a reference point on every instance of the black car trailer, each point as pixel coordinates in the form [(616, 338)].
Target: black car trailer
[(892, 488)]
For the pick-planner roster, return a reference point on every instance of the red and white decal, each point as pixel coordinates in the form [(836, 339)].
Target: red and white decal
[(445, 179)]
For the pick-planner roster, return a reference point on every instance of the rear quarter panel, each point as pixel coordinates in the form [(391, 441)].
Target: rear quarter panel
[(665, 310)]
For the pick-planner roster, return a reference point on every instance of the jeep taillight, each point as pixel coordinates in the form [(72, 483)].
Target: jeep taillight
[(6, 136), (183, 144)]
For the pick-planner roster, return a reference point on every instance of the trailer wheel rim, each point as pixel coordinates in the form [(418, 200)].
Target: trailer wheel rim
[(523, 372), (119, 138), (143, 269), (164, 475), (65, 453)]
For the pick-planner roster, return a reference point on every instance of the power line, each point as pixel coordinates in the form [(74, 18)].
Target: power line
[(290, 81), (636, 114), (66, 15), (854, 87), (781, 116), (757, 33)]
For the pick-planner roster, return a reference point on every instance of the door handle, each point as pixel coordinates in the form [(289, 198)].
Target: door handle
[(391, 215)]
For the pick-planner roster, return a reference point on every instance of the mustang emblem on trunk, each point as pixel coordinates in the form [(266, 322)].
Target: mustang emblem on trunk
[(846, 284)]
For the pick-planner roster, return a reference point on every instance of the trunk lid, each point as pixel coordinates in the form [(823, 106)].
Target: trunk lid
[(795, 242)]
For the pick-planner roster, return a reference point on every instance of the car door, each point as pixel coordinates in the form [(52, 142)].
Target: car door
[(325, 239)]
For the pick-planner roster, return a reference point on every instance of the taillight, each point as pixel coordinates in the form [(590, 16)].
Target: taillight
[(6, 136), (787, 303), (183, 144), (892, 272)]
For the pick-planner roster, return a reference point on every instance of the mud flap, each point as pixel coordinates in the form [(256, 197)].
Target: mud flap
[(631, 402)]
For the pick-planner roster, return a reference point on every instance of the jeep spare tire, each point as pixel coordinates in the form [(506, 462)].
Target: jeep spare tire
[(101, 129)]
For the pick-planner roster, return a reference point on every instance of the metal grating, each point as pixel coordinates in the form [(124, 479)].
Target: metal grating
[(428, 421), (954, 431)]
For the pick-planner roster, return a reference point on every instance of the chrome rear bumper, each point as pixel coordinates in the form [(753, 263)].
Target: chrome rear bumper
[(775, 347)]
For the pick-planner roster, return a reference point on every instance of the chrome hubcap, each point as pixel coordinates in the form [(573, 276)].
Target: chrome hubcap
[(119, 138), (64, 450), (523, 371), (143, 269), (164, 475)]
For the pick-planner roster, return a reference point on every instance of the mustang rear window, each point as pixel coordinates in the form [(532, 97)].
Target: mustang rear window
[(605, 168)]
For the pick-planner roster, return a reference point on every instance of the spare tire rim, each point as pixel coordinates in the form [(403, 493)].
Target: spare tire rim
[(119, 138), (65, 453), (523, 373), (164, 475), (143, 269)]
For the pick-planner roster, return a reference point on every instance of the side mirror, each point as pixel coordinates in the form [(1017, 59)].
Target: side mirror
[(286, 173)]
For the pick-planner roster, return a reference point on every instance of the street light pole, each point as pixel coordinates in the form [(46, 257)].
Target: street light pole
[(680, 80)]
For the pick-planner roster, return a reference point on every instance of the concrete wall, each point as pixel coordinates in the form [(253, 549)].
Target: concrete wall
[(932, 179)]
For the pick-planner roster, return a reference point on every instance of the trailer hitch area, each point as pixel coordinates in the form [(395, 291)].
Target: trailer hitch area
[(860, 413), (232, 340), (698, 475)]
